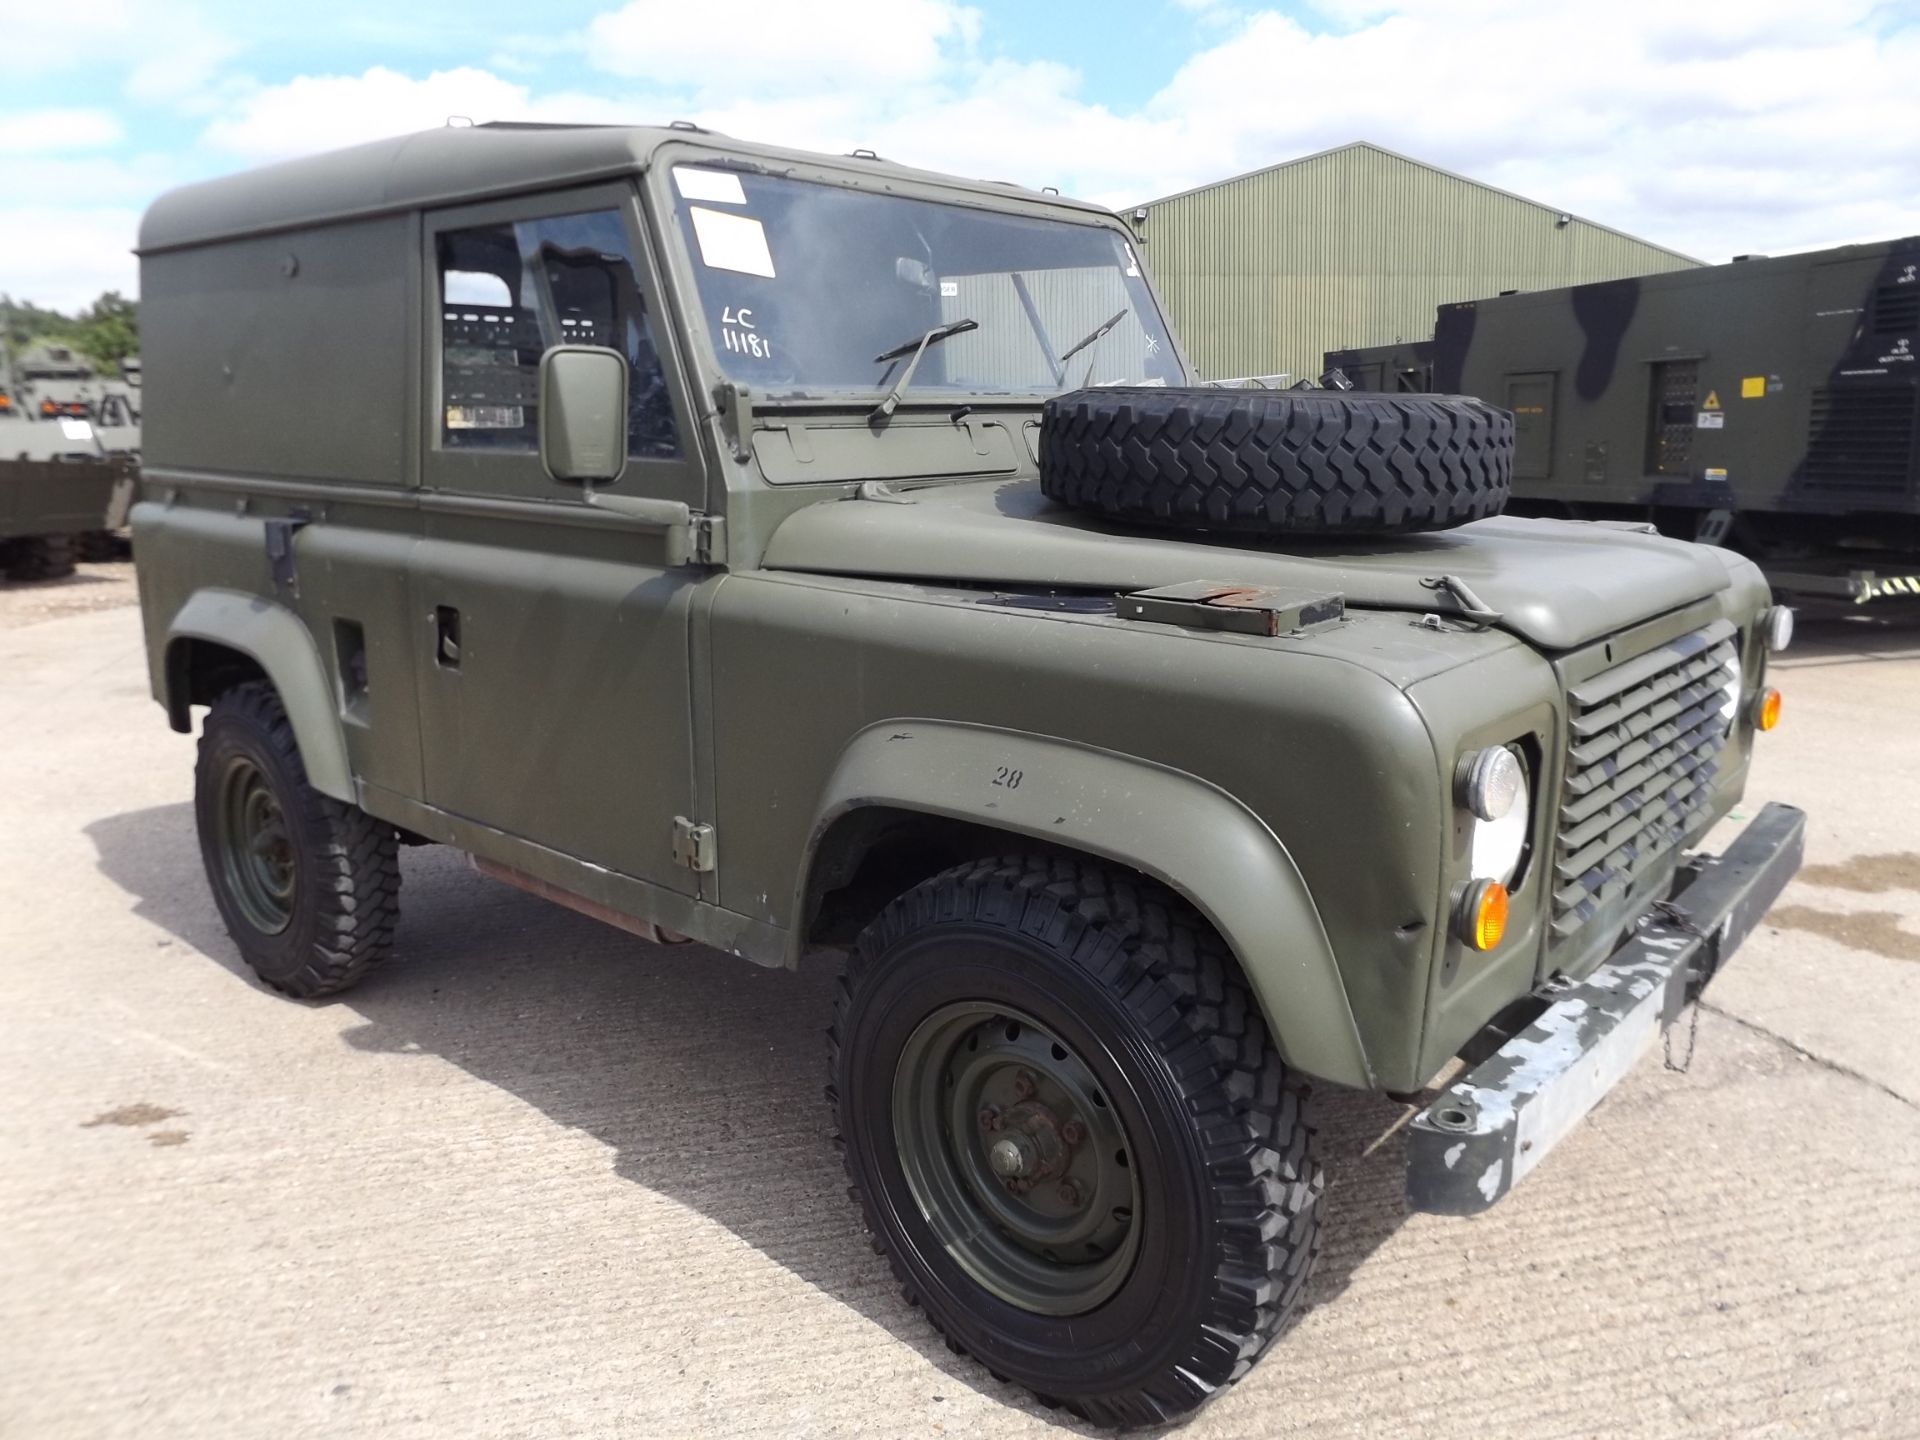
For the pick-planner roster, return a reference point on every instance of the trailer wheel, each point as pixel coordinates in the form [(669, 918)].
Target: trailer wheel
[(102, 546), (1070, 1135), (1277, 462), (41, 557)]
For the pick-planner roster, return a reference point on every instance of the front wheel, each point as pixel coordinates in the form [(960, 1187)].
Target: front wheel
[(1071, 1137), (309, 886)]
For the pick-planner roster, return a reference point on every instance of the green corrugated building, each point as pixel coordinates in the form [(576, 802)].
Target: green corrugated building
[(1265, 272)]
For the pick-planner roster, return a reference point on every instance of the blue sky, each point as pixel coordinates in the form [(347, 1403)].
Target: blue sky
[(1770, 125)]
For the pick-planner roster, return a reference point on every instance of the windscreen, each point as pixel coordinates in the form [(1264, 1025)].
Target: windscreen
[(806, 286)]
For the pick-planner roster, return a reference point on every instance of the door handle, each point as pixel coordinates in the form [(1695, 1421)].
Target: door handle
[(446, 637)]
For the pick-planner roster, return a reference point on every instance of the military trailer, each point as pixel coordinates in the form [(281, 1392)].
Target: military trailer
[(1772, 405), (59, 495), (835, 562)]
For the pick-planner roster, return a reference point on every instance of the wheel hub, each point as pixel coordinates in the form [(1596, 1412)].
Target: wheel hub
[(1016, 1158), (256, 847), (1031, 1142), (1012, 1157)]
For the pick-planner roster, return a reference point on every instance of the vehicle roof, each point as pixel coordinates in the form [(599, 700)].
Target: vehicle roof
[(458, 163), (1754, 266)]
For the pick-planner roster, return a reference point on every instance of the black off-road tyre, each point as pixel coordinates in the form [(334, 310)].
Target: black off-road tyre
[(102, 547), (41, 557), (1136, 985), (1277, 462), (326, 870)]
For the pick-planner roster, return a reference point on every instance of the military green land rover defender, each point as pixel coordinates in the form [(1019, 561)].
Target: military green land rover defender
[(811, 556)]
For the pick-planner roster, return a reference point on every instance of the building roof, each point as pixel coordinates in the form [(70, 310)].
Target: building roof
[(1368, 145), (462, 163)]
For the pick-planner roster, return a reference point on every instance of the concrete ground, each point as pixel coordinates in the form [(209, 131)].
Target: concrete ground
[(540, 1179)]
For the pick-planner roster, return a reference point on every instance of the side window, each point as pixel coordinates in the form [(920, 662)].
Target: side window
[(507, 293)]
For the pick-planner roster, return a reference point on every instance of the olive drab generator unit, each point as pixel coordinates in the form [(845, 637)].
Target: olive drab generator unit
[(1769, 405)]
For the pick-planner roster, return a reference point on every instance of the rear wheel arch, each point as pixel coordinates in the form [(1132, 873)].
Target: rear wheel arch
[(223, 638), (927, 790)]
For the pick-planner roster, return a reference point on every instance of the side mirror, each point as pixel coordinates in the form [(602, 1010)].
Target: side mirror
[(583, 413)]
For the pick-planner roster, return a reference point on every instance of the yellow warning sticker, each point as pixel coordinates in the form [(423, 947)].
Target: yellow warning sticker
[(1753, 387), (1713, 400)]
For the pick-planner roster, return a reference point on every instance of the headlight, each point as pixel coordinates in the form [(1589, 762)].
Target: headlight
[(1491, 781), (1495, 790), (1730, 693)]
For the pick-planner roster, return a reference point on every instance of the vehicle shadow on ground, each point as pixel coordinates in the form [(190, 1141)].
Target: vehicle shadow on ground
[(703, 1074)]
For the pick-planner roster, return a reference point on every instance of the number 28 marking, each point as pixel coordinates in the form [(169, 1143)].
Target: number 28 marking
[(1008, 779)]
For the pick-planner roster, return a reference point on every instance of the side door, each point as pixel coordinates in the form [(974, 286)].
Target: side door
[(554, 678), (1530, 398)]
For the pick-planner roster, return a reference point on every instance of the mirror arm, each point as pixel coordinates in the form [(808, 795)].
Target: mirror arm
[(661, 514), (691, 537)]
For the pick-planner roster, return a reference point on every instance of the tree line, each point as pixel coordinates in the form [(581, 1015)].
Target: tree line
[(106, 332)]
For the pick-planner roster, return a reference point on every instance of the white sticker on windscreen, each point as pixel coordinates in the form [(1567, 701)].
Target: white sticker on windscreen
[(721, 186), (732, 242)]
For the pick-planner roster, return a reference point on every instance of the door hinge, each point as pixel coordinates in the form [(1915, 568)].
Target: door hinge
[(693, 845), (707, 539)]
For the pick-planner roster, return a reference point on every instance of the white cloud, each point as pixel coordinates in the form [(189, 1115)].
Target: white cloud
[(63, 256), (322, 112), (41, 132), (1769, 126), (779, 47), (68, 223), (170, 53)]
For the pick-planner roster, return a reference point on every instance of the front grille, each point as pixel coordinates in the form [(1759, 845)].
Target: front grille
[(1862, 439), (1644, 742)]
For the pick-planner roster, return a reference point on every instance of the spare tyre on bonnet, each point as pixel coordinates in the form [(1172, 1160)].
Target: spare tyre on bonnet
[(1280, 462)]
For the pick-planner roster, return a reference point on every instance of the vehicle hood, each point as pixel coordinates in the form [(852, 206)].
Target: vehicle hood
[(1557, 584)]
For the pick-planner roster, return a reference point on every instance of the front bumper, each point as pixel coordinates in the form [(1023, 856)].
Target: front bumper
[(1496, 1122)]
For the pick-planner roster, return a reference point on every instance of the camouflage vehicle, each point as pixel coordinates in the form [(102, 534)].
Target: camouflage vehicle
[(812, 556), (1772, 405), (57, 383), (58, 496)]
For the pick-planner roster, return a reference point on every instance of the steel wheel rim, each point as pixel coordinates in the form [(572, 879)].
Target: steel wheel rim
[(986, 1097), (256, 847)]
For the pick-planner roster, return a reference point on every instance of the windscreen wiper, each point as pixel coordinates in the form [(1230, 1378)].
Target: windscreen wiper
[(1092, 337), (918, 348)]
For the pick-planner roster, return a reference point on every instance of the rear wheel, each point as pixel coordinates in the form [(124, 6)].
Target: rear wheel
[(1071, 1137), (309, 886)]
